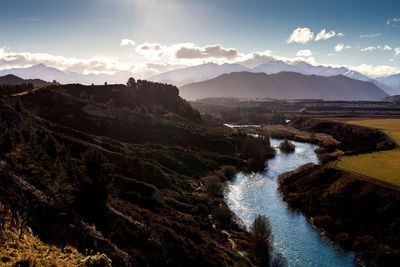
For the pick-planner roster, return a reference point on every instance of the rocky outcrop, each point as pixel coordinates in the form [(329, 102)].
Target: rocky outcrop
[(136, 191)]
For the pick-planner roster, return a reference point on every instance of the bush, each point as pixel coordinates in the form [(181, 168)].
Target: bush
[(261, 234), (98, 260), (256, 151), (222, 214), (278, 260), (228, 171), (98, 174), (287, 147), (213, 185)]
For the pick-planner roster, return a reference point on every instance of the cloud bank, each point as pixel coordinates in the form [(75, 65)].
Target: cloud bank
[(304, 53), (161, 58)]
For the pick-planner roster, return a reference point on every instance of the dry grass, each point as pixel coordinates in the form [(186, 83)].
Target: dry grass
[(390, 126), (19, 247), (383, 165)]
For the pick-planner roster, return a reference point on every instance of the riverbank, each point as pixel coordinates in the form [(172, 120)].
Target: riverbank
[(355, 211), (382, 165)]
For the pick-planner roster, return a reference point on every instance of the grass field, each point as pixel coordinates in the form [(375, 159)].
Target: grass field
[(383, 165)]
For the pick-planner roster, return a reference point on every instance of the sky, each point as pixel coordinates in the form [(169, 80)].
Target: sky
[(152, 36)]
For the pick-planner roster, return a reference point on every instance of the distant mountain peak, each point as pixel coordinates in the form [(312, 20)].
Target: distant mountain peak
[(283, 85), (40, 65)]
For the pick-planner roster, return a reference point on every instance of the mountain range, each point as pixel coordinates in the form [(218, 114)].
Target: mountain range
[(50, 74), (14, 80), (392, 81), (203, 72), (283, 85), (208, 71)]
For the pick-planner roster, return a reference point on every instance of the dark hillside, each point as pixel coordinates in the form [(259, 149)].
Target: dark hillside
[(124, 177)]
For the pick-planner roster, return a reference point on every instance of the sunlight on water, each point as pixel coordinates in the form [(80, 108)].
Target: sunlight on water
[(251, 194)]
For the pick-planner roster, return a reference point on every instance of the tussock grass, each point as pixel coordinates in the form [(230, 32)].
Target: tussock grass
[(19, 247), (382, 165)]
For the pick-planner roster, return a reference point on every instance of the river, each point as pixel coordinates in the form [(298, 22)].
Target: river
[(294, 236)]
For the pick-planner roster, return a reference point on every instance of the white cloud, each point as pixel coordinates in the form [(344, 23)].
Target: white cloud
[(304, 53), (125, 42), (210, 51), (387, 48), (188, 52), (83, 65), (163, 58), (370, 35), (255, 59), (331, 54), (375, 71), (341, 47), (323, 35), (380, 47), (301, 35), (392, 21), (340, 34), (369, 48), (397, 51)]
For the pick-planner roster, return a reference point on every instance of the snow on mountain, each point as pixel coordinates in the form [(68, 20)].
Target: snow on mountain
[(49, 74), (392, 81), (197, 73)]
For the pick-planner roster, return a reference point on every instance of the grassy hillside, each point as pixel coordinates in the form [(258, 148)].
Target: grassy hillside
[(383, 165)]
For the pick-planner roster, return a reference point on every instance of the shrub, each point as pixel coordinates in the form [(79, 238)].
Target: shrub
[(18, 106), (98, 260), (287, 147), (261, 234), (131, 83), (93, 191), (223, 214), (110, 102), (278, 260), (256, 151), (256, 163), (213, 185), (228, 171)]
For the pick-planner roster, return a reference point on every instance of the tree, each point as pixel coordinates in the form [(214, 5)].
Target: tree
[(261, 235), (278, 260), (94, 189), (110, 102), (18, 104), (287, 147), (84, 96), (131, 83), (142, 109), (213, 185), (97, 169)]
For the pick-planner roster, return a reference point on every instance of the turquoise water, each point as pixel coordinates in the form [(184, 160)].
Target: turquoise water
[(251, 194)]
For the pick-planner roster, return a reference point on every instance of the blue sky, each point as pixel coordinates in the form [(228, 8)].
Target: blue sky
[(85, 35)]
